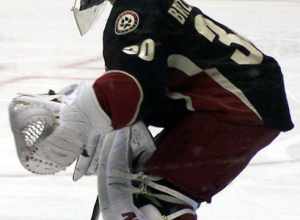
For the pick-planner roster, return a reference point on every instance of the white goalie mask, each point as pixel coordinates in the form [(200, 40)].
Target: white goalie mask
[(86, 12)]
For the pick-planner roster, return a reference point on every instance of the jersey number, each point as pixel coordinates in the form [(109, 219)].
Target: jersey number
[(210, 30)]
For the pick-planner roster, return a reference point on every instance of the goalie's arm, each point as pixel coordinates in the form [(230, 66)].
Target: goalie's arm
[(135, 87)]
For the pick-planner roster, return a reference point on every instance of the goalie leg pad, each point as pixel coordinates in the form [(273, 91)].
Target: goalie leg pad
[(152, 213), (141, 144), (117, 182), (115, 198)]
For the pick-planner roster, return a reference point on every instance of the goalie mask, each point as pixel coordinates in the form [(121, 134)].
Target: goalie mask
[(86, 12)]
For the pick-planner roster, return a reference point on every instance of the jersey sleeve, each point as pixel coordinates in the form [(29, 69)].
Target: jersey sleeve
[(134, 46)]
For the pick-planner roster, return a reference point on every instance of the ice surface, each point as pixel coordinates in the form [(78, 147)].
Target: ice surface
[(40, 48)]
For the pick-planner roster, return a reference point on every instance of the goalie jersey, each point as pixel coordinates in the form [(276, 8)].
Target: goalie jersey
[(185, 61)]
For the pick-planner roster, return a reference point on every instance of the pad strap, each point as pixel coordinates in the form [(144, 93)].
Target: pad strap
[(180, 213), (146, 181), (152, 213)]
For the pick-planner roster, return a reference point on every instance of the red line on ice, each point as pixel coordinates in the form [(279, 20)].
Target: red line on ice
[(24, 78), (80, 63)]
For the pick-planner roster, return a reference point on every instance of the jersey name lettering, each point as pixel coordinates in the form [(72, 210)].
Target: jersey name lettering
[(180, 11)]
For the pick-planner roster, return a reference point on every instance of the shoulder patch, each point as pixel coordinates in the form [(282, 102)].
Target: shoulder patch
[(126, 22)]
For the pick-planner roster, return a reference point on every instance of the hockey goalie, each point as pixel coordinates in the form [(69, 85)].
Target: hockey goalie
[(218, 98)]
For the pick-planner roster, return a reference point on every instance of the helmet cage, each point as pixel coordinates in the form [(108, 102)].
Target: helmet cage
[(86, 12)]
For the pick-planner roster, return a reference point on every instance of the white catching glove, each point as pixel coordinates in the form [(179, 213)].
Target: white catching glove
[(50, 131)]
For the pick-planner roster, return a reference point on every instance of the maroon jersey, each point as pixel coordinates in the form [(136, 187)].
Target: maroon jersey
[(181, 60)]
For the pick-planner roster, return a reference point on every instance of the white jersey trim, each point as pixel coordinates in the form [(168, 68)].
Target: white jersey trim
[(226, 84), (187, 66), (188, 99), (184, 64)]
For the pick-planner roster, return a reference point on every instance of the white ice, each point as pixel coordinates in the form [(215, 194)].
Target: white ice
[(40, 48)]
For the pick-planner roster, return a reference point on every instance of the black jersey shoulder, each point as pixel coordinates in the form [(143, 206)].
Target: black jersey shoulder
[(148, 14), (139, 49)]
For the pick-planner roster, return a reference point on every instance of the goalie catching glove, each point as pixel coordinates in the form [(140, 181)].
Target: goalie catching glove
[(50, 131)]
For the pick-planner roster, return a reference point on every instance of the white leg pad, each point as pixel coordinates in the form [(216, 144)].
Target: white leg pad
[(151, 212), (116, 200), (115, 176)]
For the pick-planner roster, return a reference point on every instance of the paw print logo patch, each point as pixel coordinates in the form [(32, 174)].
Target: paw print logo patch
[(126, 22)]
